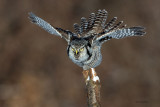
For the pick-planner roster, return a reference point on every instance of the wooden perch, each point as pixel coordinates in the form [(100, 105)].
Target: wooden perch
[(93, 87)]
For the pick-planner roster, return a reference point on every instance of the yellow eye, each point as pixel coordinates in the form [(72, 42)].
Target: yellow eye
[(72, 49), (81, 49)]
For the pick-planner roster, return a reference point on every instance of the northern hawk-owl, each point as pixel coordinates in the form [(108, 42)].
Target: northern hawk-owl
[(84, 46)]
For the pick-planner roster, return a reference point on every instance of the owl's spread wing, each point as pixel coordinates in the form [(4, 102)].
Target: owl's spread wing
[(50, 29), (97, 28), (121, 33)]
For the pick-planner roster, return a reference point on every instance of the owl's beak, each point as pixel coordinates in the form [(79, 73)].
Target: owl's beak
[(76, 52)]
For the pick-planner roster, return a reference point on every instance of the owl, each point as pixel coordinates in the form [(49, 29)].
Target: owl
[(84, 45)]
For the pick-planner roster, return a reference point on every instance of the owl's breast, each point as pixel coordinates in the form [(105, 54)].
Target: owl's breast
[(89, 58), (95, 58)]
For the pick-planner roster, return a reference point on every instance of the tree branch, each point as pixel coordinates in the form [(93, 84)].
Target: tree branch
[(92, 87)]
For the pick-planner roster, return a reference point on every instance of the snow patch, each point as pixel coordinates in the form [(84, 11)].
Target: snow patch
[(95, 78), (88, 78)]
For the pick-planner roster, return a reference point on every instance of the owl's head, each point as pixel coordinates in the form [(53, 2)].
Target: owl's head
[(78, 50)]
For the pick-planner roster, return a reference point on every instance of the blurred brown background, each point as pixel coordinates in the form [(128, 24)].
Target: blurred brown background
[(35, 70)]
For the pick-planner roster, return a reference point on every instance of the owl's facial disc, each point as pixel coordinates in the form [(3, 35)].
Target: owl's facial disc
[(77, 50)]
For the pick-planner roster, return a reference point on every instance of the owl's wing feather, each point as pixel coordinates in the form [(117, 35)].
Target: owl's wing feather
[(66, 34), (77, 28), (43, 24), (91, 19), (114, 27), (46, 26), (110, 23), (94, 25), (97, 22), (121, 33), (100, 20), (84, 24)]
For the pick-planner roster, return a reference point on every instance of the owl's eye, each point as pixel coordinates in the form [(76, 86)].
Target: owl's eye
[(72, 49), (81, 49)]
